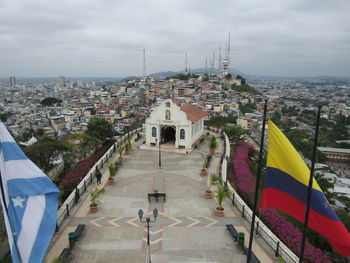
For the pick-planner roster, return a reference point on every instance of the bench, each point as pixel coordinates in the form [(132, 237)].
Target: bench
[(156, 195), (80, 228), (66, 252), (253, 258), (233, 232)]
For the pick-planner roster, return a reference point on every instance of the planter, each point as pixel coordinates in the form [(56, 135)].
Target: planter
[(204, 172), (219, 212), (93, 208), (208, 194), (212, 152), (110, 181), (126, 152), (120, 158)]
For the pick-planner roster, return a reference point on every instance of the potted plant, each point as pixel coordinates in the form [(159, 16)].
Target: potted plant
[(120, 151), (220, 194), (213, 144), (113, 167), (129, 144), (126, 148), (94, 195), (110, 180), (204, 165), (213, 180)]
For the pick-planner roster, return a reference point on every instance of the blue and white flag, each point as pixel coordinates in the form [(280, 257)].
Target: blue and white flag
[(30, 205)]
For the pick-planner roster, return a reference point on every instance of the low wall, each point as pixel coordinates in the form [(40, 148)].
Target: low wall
[(72, 199), (260, 228)]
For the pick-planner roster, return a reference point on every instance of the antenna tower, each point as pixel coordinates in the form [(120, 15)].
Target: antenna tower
[(186, 64), (229, 50), (144, 63), (220, 58), (212, 63)]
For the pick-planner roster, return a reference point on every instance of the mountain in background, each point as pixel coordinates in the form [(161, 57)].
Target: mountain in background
[(166, 74), (234, 72)]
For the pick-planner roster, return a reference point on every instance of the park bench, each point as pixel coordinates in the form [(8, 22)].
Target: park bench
[(66, 252), (80, 228), (232, 231), (156, 195)]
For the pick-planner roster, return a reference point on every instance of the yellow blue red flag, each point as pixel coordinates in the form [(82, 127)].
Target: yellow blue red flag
[(286, 186)]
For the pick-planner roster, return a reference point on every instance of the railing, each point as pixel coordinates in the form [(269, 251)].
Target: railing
[(279, 248), (73, 198)]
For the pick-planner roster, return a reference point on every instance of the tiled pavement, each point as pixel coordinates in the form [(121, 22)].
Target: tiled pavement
[(186, 229)]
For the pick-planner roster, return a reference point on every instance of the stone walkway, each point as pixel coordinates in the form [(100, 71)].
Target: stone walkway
[(186, 229)]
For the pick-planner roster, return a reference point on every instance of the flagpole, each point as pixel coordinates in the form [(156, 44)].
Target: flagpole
[(257, 184), (4, 206), (309, 190)]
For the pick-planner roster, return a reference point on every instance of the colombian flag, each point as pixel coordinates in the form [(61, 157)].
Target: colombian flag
[(285, 188)]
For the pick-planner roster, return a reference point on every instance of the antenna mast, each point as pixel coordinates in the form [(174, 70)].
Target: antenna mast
[(228, 51), (186, 64), (144, 63), (212, 63)]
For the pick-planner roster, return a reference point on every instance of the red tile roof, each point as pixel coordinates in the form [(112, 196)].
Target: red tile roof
[(193, 113)]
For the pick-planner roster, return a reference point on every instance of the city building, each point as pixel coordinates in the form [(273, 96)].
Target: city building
[(61, 81), (12, 81)]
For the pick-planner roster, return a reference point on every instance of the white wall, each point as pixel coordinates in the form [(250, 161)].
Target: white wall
[(178, 119)]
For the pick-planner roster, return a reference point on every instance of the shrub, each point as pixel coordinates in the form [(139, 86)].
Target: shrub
[(245, 180), (291, 236)]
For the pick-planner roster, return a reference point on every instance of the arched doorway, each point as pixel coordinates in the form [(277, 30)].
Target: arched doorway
[(168, 134)]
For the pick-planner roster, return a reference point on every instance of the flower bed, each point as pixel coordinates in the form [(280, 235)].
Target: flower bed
[(76, 174), (245, 180), (291, 236)]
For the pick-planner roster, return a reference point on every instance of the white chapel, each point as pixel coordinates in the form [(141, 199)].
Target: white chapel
[(171, 124)]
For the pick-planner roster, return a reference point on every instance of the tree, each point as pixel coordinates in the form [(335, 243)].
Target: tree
[(235, 133), (219, 121), (213, 144), (246, 108), (100, 129), (80, 145), (50, 101), (45, 151), (241, 78), (228, 76)]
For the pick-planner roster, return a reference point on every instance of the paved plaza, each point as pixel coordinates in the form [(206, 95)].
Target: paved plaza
[(186, 229)]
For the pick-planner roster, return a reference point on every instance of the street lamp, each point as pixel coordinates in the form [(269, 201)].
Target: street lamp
[(159, 157), (148, 220)]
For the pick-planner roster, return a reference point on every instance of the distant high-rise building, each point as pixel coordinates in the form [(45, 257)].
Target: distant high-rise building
[(12, 81), (61, 81)]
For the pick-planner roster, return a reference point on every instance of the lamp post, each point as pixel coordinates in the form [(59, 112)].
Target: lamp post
[(148, 220), (159, 157)]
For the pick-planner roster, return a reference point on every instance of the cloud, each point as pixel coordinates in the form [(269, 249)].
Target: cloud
[(106, 38)]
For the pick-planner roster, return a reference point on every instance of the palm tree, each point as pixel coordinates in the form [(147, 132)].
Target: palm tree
[(113, 167), (204, 164), (220, 195), (120, 151), (94, 195), (213, 180), (129, 144), (213, 144)]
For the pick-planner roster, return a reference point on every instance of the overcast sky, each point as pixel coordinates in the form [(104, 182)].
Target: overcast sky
[(89, 38)]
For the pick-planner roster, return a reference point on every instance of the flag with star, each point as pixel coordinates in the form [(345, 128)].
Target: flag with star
[(29, 202)]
